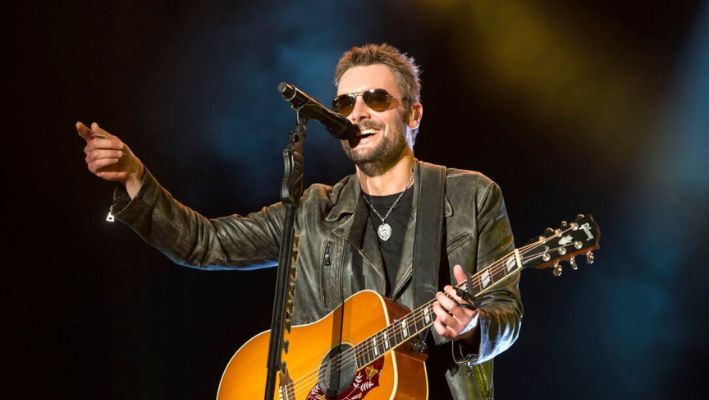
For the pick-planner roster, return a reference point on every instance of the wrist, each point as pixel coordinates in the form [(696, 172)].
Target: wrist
[(134, 182), (469, 329)]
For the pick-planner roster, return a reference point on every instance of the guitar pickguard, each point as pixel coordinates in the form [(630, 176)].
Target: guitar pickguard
[(366, 379)]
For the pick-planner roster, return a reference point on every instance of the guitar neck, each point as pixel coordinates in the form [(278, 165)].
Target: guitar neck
[(422, 317), (559, 244)]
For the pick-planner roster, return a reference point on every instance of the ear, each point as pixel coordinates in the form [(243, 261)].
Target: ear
[(415, 115)]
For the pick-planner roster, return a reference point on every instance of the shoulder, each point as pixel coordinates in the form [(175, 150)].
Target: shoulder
[(340, 196), (469, 178), (327, 192), (468, 187)]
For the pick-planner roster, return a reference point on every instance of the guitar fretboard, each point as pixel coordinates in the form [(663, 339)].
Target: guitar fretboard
[(421, 318), (563, 243)]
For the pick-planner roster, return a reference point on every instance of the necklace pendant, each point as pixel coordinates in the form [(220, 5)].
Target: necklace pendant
[(384, 231)]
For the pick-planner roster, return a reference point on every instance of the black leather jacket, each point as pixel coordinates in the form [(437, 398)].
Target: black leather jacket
[(334, 264)]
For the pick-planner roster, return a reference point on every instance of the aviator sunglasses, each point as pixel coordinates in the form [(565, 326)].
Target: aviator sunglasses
[(377, 99)]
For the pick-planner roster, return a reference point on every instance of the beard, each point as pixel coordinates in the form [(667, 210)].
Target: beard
[(383, 156)]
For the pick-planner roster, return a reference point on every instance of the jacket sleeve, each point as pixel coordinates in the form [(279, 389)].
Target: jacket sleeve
[(190, 239), (501, 308)]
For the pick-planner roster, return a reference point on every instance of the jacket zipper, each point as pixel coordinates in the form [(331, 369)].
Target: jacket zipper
[(326, 262), (327, 259)]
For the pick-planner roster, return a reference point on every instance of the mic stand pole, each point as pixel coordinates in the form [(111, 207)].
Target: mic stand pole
[(291, 192)]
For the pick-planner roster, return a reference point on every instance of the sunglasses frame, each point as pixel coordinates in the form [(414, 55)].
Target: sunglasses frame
[(365, 95)]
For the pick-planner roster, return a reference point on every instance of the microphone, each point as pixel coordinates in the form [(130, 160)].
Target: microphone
[(310, 108)]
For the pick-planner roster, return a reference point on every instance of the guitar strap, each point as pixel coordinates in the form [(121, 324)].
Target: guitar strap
[(429, 232)]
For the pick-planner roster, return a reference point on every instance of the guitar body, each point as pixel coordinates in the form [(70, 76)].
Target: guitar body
[(399, 374)]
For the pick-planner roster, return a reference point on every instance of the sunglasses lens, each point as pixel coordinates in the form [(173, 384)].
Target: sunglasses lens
[(377, 99), (344, 104)]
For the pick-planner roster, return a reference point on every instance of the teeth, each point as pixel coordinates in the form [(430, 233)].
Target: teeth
[(367, 132)]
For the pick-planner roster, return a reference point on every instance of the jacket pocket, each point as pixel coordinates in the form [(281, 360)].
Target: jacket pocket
[(462, 250), (458, 241)]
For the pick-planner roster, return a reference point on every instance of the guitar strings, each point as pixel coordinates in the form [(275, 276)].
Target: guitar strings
[(350, 355), (338, 361)]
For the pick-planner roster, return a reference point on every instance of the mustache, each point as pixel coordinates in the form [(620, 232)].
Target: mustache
[(369, 124)]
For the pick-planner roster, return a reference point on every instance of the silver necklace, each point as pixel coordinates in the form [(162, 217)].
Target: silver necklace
[(384, 229)]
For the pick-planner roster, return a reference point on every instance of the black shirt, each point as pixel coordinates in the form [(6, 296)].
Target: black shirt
[(398, 219)]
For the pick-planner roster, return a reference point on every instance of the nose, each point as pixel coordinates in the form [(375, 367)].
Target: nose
[(360, 111)]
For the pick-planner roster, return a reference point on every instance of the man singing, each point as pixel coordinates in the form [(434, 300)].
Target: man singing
[(360, 233)]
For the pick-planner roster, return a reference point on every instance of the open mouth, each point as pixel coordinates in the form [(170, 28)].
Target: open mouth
[(366, 132)]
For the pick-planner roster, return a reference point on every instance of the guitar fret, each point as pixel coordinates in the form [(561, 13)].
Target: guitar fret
[(419, 324), (360, 354), (364, 355), (511, 263), (485, 279), (396, 333), (427, 314)]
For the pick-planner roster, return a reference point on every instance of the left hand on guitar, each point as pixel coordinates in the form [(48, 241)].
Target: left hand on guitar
[(452, 319)]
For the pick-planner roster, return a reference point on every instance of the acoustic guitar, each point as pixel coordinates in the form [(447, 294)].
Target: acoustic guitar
[(363, 348)]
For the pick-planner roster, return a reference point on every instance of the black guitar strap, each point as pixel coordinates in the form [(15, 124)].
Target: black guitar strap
[(429, 232)]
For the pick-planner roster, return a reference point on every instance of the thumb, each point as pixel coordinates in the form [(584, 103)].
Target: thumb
[(459, 274), (84, 131)]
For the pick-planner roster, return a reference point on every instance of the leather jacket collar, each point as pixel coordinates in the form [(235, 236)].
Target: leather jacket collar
[(345, 194)]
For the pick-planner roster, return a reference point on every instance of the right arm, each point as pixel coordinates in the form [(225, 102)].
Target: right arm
[(187, 237)]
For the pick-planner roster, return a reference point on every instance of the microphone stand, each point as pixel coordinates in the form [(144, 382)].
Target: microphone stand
[(291, 192)]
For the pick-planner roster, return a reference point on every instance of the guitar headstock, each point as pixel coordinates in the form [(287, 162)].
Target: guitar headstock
[(569, 240)]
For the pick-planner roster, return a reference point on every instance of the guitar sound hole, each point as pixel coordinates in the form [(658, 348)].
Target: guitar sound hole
[(337, 370)]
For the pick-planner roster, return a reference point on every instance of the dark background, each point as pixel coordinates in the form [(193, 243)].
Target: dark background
[(586, 106)]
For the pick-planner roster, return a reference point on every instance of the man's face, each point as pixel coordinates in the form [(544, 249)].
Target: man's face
[(381, 142)]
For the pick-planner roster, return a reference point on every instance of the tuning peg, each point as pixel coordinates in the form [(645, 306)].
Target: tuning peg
[(549, 232), (285, 346), (557, 269), (578, 244), (564, 224), (590, 258), (580, 217), (572, 263), (562, 250), (546, 256)]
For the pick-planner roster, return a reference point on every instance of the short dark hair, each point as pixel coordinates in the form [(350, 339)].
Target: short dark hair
[(402, 66)]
